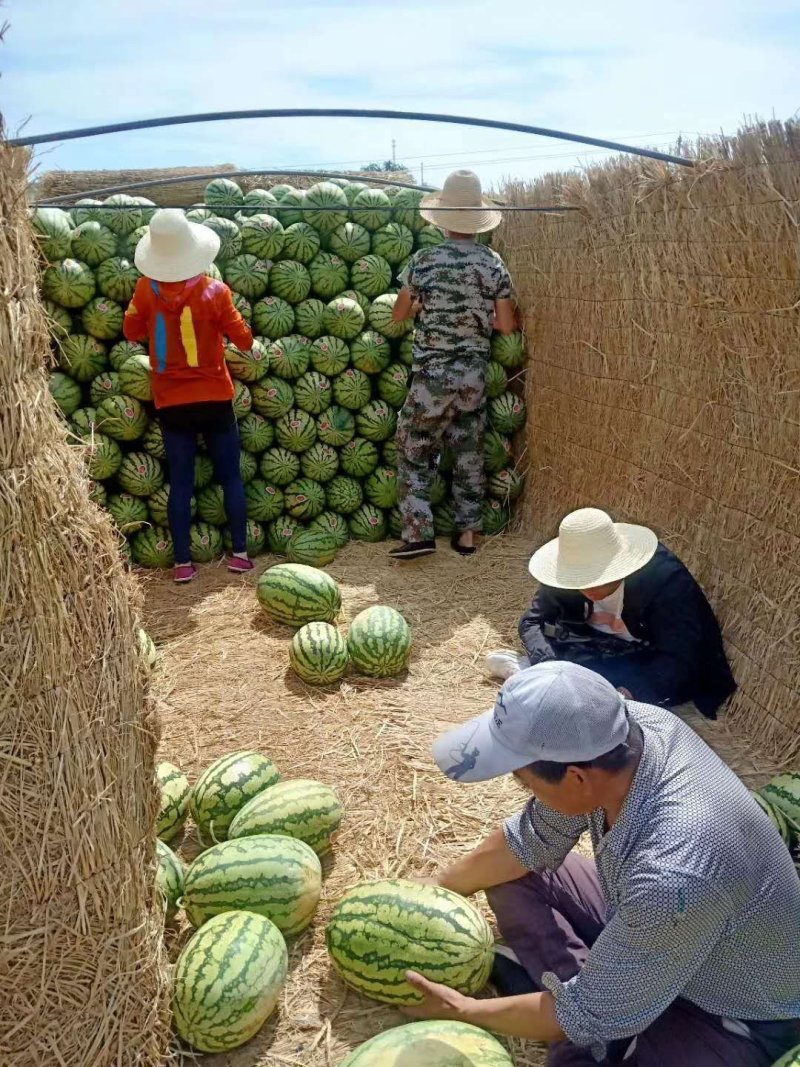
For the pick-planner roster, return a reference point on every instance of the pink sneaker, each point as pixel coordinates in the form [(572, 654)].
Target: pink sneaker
[(185, 573), (237, 565)]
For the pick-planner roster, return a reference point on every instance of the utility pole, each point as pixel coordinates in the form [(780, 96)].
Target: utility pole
[(394, 150), (422, 174)]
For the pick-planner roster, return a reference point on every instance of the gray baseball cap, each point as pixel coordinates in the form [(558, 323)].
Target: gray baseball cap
[(554, 711)]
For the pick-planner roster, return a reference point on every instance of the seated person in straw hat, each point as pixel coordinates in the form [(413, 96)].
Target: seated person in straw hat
[(461, 291), (616, 600), (186, 316), (675, 945)]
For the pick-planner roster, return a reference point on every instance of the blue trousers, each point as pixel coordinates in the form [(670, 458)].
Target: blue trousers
[(223, 448)]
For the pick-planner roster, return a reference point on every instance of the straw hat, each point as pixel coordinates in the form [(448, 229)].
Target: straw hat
[(174, 249), (592, 550), (462, 189)]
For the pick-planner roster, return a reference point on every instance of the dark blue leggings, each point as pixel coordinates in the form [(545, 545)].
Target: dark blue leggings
[(223, 448)]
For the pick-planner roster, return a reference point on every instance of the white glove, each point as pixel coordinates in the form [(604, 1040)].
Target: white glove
[(505, 662)]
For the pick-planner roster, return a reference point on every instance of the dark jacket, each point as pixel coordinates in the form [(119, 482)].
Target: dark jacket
[(681, 657)]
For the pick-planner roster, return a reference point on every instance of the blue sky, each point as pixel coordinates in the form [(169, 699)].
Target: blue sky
[(624, 70)]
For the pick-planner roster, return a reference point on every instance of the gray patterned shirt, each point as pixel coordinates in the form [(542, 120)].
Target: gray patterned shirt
[(703, 897), (457, 283)]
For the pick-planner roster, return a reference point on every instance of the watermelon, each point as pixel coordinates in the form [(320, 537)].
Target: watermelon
[(260, 199), (242, 400), (140, 474), (135, 379), (371, 208), (300, 807), (496, 379), (296, 430), (379, 642), (329, 355), (264, 502), (316, 548), (320, 462), (331, 523), (86, 210), (352, 389), (256, 538), (211, 505), (777, 817), (117, 278), (126, 214), (82, 357), (336, 426), (376, 421), (405, 350), (274, 875), (295, 594), (329, 274), (243, 306), (393, 385), (508, 349), (83, 421), (225, 787), (352, 189), (309, 317), (65, 391), (380, 487), (362, 300), (290, 281), (434, 1044), (126, 246), (371, 275), (506, 413), (290, 207), (214, 272), (406, 208), (279, 466), (128, 512), (228, 980), (289, 357), (102, 318), (157, 506), (394, 523), (248, 466), (122, 351), (380, 317), (370, 352), (262, 236), (280, 191), (230, 240), (783, 792), (272, 397), (153, 440), (329, 204), (148, 207), (255, 433), (394, 242), (69, 283), (367, 523), (103, 456), (247, 366), (437, 493), (123, 418), (359, 457), (791, 1059), (343, 494), (153, 547), (428, 236), (92, 242), (497, 451), (203, 471), (312, 392), (59, 320), (280, 533), (380, 930), (350, 242), (53, 231), (247, 274), (223, 196), (390, 453), (273, 317), (305, 499), (301, 242), (170, 874), (343, 318), (506, 485), (494, 517), (98, 494)]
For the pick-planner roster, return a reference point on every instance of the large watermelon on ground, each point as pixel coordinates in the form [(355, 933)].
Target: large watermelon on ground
[(262, 236), (82, 357), (301, 807), (329, 204), (140, 473), (225, 787), (273, 317), (332, 524), (329, 355), (290, 281), (380, 317), (494, 517), (103, 456), (69, 283), (264, 501), (296, 430), (352, 389), (65, 391), (312, 392), (371, 208), (123, 418), (783, 792), (279, 466), (379, 642), (380, 930), (228, 980), (92, 242), (394, 242), (371, 275), (117, 278), (318, 653), (223, 196), (506, 485), (205, 542), (314, 547), (128, 512), (256, 538), (170, 873), (344, 318), (153, 547), (370, 352), (508, 349), (280, 532), (350, 242), (380, 487), (289, 357), (247, 274), (272, 397), (320, 462), (367, 523), (295, 594), (271, 874), (301, 242), (431, 1044), (309, 316), (506, 413), (175, 789), (53, 230)]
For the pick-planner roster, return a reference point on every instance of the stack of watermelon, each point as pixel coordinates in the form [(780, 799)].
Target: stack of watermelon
[(314, 273)]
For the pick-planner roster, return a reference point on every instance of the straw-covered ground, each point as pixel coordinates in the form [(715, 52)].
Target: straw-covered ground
[(225, 684)]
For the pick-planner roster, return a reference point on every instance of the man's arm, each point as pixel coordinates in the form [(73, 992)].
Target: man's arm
[(490, 864), (135, 326), (231, 323), (406, 306), (531, 632), (505, 316)]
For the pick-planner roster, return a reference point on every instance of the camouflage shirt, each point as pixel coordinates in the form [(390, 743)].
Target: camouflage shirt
[(457, 283)]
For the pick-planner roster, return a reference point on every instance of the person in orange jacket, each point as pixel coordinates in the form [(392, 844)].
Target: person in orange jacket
[(185, 315)]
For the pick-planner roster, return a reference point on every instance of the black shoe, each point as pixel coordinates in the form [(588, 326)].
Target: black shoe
[(413, 550), (510, 978), (463, 550)]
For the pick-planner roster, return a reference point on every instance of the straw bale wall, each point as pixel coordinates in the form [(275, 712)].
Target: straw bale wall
[(664, 382), (83, 981)]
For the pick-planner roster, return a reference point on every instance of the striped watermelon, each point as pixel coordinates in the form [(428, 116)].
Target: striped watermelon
[(170, 874), (279, 466), (135, 378), (331, 523), (344, 318), (406, 208), (242, 399), (126, 214), (272, 397), (320, 462), (205, 542), (82, 357), (296, 430), (777, 817), (506, 485), (394, 242), (122, 417), (367, 523), (300, 807), (211, 505), (290, 207), (405, 349), (262, 236), (332, 205), (315, 547), (107, 383), (350, 242), (264, 501), (791, 1059), (228, 980), (128, 512), (243, 306), (379, 642), (394, 523), (380, 930), (496, 379), (309, 317), (255, 433), (223, 196), (92, 242), (280, 532), (783, 792), (352, 189), (290, 280), (497, 452), (508, 349), (362, 301), (230, 240), (393, 385), (437, 493), (506, 412), (371, 208), (256, 538), (434, 1044), (117, 278), (103, 456), (380, 317), (276, 876), (318, 655), (225, 787), (289, 357), (329, 274), (280, 191), (359, 457), (85, 210), (214, 272), (428, 236), (247, 274), (248, 466), (53, 230), (336, 426), (59, 320), (352, 389), (371, 275), (82, 421), (376, 421), (126, 246), (258, 198), (301, 242), (343, 494), (203, 471), (370, 352), (98, 494), (494, 517), (140, 474), (247, 366), (122, 351), (69, 283), (148, 208), (380, 487), (295, 594), (305, 499), (153, 547), (175, 790), (102, 318), (273, 317), (329, 355), (312, 392), (157, 506)]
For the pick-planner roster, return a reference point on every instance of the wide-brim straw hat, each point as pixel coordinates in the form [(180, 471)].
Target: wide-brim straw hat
[(590, 550), (468, 210), (174, 249)]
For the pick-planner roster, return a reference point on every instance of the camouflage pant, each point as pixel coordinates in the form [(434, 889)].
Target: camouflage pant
[(446, 404)]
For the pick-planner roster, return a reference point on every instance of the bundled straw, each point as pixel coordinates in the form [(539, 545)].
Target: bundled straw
[(82, 976)]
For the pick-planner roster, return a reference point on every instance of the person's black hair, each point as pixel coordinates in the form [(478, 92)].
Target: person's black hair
[(612, 762)]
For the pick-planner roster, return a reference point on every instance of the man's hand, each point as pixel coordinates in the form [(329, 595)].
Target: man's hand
[(439, 1001)]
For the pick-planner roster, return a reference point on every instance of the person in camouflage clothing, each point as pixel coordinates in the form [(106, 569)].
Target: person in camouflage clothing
[(460, 291)]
